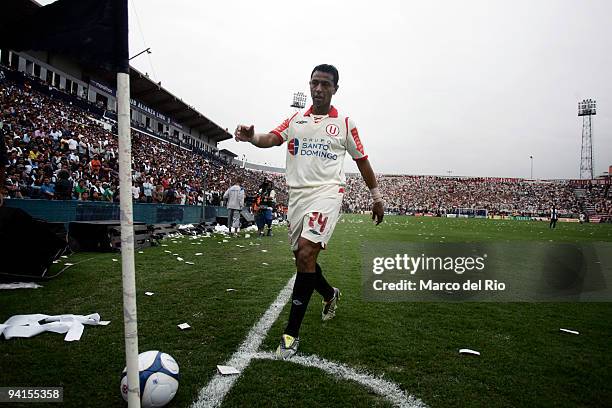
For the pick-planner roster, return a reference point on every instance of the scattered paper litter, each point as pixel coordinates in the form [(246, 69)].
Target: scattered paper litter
[(149, 293), (225, 240), (20, 285), (198, 254), (569, 331), (189, 263), (227, 370), (175, 254), (164, 245), (168, 252), (141, 252), (230, 290), (264, 250), (64, 256), (178, 258), (240, 246), (264, 263), (247, 235), (469, 351), (56, 261), (68, 264), (235, 259), (184, 326), (115, 260)]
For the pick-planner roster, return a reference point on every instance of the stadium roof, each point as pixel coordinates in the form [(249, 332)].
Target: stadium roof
[(142, 88), (152, 94), (227, 153)]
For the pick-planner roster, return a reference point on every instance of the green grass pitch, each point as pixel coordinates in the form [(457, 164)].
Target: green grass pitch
[(525, 360)]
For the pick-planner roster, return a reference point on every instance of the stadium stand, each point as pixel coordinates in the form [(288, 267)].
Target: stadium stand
[(61, 147)]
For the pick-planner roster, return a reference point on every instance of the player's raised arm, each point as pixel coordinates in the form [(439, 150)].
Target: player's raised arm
[(378, 210), (247, 134)]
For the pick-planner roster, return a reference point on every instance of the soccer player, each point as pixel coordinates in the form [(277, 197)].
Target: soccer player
[(317, 141), (554, 216)]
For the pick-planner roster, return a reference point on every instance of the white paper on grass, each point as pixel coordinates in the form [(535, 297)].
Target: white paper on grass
[(179, 259), (30, 325), (227, 370), (569, 331), (184, 326), (230, 290), (189, 263), (149, 293), (20, 285), (469, 351), (198, 254)]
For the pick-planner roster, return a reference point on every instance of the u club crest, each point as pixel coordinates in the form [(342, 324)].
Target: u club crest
[(332, 130)]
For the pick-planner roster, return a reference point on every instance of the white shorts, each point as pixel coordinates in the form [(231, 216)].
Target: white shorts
[(313, 213)]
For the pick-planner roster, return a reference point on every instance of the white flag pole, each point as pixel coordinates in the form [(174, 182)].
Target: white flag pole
[(127, 239)]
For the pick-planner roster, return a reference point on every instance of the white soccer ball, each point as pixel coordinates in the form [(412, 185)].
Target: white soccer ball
[(159, 374)]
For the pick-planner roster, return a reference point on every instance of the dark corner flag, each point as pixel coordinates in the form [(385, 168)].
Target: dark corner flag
[(94, 32)]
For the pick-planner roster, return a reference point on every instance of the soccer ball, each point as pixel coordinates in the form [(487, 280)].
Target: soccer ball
[(159, 374)]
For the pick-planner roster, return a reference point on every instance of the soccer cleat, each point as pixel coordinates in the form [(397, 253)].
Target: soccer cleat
[(288, 347), (329, 308)]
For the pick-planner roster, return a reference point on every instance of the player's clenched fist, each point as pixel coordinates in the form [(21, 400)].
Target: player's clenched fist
[(244, 133)]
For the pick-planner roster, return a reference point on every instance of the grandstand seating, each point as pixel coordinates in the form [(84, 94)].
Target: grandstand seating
[(63, 150)]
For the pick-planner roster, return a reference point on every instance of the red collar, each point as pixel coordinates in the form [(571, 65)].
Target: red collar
[(333, 112)]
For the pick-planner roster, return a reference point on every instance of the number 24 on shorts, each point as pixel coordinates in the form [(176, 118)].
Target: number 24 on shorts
[(319, 219)]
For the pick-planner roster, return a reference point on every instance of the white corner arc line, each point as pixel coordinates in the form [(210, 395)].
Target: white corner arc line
[(212, 395), (387, 389), (215, 391)]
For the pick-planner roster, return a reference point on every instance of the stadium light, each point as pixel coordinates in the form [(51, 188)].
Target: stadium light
[(148, 51), (299, 100)]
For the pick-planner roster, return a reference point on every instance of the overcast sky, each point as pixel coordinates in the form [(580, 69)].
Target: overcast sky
[(471, 87)]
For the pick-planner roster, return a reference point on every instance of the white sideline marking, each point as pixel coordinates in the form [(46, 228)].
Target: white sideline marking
[(387, 389), (212, 395)]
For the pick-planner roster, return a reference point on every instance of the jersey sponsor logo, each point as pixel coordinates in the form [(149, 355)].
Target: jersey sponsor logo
[(293, 146), (301, 122), (332, 130), (355, 135), (316, 147)]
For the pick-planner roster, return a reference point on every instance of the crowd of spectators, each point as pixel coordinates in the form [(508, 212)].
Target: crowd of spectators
[(58, 151), (436, 194)]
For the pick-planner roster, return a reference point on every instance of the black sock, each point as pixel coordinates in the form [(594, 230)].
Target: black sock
[(322, 286), (302, 290)]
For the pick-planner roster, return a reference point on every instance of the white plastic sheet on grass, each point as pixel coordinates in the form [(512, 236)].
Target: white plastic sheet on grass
[(26, 326)]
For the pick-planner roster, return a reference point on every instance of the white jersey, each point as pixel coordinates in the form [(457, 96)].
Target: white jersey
[(316, 146)]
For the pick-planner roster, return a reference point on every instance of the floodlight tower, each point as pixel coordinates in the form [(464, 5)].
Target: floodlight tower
[(299, 100), (586, 109)]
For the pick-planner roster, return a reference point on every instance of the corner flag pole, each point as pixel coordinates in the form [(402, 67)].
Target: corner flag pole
[(127, 219), (128, 272)]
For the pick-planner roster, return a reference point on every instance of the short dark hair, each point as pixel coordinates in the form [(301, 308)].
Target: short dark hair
[(330, 69)]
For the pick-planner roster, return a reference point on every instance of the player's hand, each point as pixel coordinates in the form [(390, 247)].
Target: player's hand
[(244, 133), (378, 212)]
